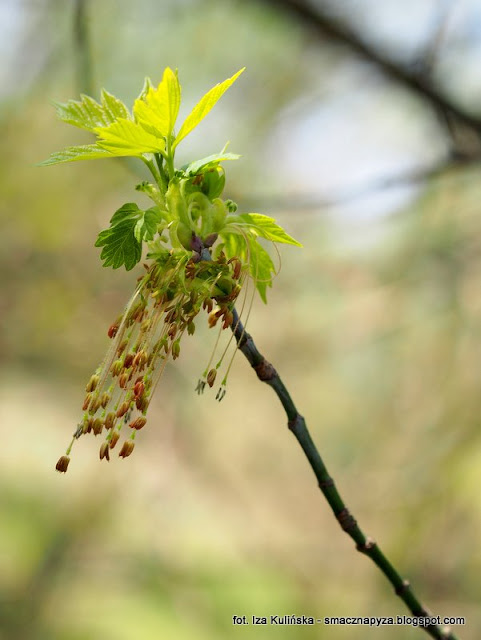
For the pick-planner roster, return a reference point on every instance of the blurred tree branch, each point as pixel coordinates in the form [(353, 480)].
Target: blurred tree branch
[(296, 423), (414, 77)]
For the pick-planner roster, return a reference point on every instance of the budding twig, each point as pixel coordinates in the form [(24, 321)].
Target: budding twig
[(296, 423)]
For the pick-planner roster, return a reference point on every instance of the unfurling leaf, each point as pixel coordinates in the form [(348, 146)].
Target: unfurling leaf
[(266, 227), (210, 161)]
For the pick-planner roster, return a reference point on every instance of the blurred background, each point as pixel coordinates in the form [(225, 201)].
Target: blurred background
[(359, 126)]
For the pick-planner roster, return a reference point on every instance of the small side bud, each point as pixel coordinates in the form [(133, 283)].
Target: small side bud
[(104, 399), (126, 449), (62, 464), (191, 328)]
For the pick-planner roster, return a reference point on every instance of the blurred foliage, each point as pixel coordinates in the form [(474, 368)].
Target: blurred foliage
[(375, 327)]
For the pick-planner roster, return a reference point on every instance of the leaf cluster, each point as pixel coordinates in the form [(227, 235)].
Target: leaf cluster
[(187, 202)]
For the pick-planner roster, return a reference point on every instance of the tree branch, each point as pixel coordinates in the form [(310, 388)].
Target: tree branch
[(296, 423), (330, 28)]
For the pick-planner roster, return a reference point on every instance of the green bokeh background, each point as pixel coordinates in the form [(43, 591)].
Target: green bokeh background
[(375, 327)]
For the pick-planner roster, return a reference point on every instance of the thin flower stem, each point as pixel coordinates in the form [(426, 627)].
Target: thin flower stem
[(296, 423)]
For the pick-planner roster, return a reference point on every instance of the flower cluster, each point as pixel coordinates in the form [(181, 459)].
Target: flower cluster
[(168, 298)]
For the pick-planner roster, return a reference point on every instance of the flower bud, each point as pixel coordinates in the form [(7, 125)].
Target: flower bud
[(237, 267), (114, 439), (139, 388), (142, 403), (104, 399), (97, 426), (104, 451), (86, 403), (126, 449), (191, 328), (121, 347), (175, 349), (122, 410), (138, 423), (112, 332), (213, 317), (129, 358), (211, 376), (110, 420), (62, 464), (123, 379), (116, 368), (92, 383)]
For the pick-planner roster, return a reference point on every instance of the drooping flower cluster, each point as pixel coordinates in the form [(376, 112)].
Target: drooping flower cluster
[(168, 298)]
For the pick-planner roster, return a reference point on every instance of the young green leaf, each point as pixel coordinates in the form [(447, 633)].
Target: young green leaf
[(265, 227), (261, 267), (113, 107), (203, 107), (127, 210), (120, 246), (127, 138), (89, 114), (71, 154), (146, 226), (205, 163), (247, 248), (157, 111)]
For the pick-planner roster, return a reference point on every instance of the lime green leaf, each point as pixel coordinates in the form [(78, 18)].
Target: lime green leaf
[(210, 161), (267, 228), (146, 226), (157, 110), (247, 248), (113, 107), (120, 246), (89, 114), (70, 154), (127, 138), (203, 107), (147, 85), (261, 267)]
